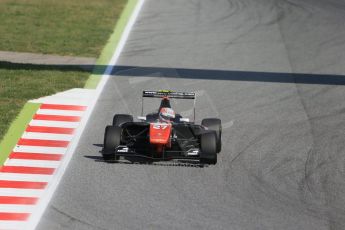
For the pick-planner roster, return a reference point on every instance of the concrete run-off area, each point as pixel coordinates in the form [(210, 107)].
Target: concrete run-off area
[(46, 59)]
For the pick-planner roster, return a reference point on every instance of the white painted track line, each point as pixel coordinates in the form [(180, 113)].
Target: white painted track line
[(137, 80), (60, 112), (38, 149), (47, 136), (228, 124), (60, 124), (21, 192), (32, 163), (25, 177)]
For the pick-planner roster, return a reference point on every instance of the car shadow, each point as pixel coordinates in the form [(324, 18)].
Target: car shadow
[(189, 73), (145, 161), (229, 75)]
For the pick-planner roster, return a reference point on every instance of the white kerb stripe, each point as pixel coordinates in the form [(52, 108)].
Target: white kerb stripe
[(66, 100), (38, 149), (16, 208), (60, 112), (47, 136), (21, 192), (60, 124), (25, 177), (32, 163), (13, 225)]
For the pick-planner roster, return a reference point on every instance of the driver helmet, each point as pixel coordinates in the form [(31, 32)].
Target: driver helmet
[(166, 114)]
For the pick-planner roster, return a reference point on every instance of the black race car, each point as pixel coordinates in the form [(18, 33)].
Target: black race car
[(163, 135)]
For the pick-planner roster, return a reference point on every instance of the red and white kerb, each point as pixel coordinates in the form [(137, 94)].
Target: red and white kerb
[(30, 167)]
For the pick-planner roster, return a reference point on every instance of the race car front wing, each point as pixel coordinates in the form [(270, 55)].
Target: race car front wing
[(125, 151)]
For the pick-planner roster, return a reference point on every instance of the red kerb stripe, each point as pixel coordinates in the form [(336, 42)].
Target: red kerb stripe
[(22, 184), (27, 170), (57, 118), (18, 200), (45, 129), (14, 216), (45, 143), (63, 107), (35, 156)]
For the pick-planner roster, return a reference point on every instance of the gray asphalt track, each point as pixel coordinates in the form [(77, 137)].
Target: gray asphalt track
[(283, 161)]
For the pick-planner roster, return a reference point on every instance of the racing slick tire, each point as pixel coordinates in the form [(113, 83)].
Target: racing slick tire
[(119, 119), (112, 138), (208, 148), (214, 124)]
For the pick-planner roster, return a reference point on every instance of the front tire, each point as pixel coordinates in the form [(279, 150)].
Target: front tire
[(214, 124), (208, 148), (112, 139)]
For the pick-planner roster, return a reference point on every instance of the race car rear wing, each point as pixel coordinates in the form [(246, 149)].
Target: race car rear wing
[(168, 93)]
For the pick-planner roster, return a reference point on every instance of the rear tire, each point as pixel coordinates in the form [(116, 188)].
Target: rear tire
[(214, 124), (119, 119), (112, 139), (208, 149)]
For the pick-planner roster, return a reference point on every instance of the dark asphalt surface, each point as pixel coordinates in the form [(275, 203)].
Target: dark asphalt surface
[(283, 159)]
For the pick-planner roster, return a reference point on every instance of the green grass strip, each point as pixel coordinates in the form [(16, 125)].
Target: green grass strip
[(19, 125), (111, 45), (60, 27), (16, 130)]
